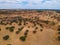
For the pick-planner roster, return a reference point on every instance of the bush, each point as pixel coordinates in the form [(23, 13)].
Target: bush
[(41, 30), (59, 38), (6, 37), (0, 29), (58, 28), (11, 29), (46, 21), (34, 31), (58, 32), (7, 28), (52, 23), (22, 38), (20, 28), (41, 25), (26, 32), (17, 32), (39, 10)]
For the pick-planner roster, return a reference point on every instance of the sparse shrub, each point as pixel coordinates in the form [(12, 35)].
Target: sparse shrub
[(39, 10), (20, 28), (0, 29), (22, 38), (1, 23), (58, 32), (36, 28), (6, 37), (34, 31), (59, 38), (46, 21), (19, 24), (14, 21), (7, 28), (52, 23), (11, 29), (41, 25), (58, 28), (26, 32), (17, 32), (28, 26), (34, 24), (41, 30)]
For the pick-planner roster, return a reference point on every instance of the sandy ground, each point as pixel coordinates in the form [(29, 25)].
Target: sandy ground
[(47, 37)]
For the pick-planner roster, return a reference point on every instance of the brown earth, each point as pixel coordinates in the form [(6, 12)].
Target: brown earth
[(45, 24)]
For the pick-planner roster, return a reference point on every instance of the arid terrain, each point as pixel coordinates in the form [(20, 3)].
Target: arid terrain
[(29, 27)]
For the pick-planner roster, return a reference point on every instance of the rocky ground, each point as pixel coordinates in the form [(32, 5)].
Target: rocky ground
[(29, 27)]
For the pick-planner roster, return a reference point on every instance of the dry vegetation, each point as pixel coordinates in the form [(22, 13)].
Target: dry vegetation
[(29, 27)]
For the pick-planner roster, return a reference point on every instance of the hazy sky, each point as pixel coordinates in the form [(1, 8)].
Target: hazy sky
[(29, 4)]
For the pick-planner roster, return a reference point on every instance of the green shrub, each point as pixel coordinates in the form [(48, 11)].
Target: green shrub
[(22, 38), (17, 32), (26, 32), (20, 28), (11, 29), (59, 38), (6, 37), (46, 21)]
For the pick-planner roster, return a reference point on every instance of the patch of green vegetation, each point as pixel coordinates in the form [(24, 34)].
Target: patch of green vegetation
[(11, 29), (4, 12), (59, 38), (23, 38), (1, 23), (39, 10), (46, 21), (6, 37), (20, 28), (26, 32), (14, 21), (17, 32)]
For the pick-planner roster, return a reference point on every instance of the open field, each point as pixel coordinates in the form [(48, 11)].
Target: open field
[(29, 27)]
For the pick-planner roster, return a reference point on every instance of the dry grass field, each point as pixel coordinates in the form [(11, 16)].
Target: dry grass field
[(29, 27)]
